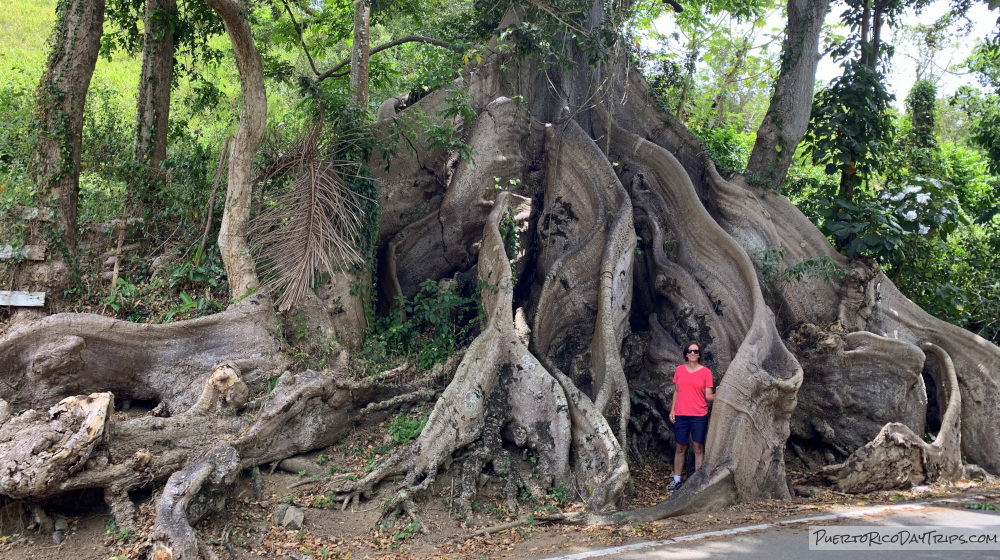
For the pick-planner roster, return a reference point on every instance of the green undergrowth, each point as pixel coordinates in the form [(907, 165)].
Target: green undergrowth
[(425, 330), (363, 449)]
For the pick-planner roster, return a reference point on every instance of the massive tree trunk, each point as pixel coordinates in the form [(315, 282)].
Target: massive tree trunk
[(629, 243), (152, 116), (61, 95), (695, 275), (233, 244)]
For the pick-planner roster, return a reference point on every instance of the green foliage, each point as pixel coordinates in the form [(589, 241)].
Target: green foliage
[(437, 132), (851, 130), (559, 494), (511, 237), (822, 268), (727, 145), (880, 225), (404, 533), (120, 535), (920, 104), (817, 267), (769, 261), (433, 325), (984, 110), (17, 131), (405, 428), (716, 69)]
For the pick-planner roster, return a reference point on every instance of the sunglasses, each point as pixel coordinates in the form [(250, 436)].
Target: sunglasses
[(692, 351)]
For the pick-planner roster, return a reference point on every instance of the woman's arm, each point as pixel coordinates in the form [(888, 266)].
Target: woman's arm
[(709, 394), (673, 403)]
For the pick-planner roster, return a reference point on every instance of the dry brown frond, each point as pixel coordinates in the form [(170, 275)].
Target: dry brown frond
[(310, 229)]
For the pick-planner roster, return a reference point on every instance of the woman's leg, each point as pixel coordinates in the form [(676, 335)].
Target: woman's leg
[(699, 454), (699, 431), (680, 451)]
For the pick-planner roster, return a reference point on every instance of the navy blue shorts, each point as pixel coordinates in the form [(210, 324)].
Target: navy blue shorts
[(697, 426)]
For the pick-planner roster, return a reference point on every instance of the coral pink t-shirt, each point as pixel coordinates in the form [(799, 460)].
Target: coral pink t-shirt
[(691, 387)]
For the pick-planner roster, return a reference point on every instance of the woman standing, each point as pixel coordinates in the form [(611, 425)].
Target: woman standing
[(689, 409)]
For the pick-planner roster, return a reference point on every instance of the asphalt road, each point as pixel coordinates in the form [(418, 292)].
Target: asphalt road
[(790, 540)]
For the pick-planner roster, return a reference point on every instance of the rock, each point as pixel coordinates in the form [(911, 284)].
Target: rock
[(920, 489), (279, 513), (161, 264), (61, 526), (289, 517), (806, 491), (302, 466)]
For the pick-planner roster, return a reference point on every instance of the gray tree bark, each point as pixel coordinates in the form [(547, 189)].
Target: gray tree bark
[(152, 116), (62, 95), (360, 51), (787, 117), (233, 244)]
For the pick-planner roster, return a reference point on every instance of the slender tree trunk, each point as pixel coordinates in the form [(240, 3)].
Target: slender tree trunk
[(694, 50), (233, 243), (729, 79), (153, 112), (62, 95), (787, 118), (871, 28), (360, 51)]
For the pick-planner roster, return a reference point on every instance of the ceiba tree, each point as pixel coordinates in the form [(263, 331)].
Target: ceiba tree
[(631, 243)]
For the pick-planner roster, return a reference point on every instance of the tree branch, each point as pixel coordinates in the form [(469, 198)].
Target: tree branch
[(302, 40), (395, 43)]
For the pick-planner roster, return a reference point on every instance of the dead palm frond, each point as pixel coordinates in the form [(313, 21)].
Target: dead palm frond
[(311, 229)]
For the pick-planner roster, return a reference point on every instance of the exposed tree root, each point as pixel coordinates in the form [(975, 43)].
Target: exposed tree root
[(43, 450), (565, 518), (190, 495), (73, 354), (899, 458), (749, 424), (843, 406), (80, 443), (501, 392)]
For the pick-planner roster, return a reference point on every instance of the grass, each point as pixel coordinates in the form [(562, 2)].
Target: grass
[(25, 27), (24, 30)]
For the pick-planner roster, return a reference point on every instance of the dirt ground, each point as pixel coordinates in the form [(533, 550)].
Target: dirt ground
[(245, 529)]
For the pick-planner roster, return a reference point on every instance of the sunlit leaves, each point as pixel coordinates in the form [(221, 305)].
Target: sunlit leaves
[(851, 129)]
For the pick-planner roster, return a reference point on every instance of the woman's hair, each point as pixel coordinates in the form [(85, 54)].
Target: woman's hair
[(701, 351)]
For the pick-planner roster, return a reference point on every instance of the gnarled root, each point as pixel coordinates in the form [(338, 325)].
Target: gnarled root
[(39, 451), (749, 424), (500, 392), (898, 458), (190, 495), (400, 504), (79, 444)]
